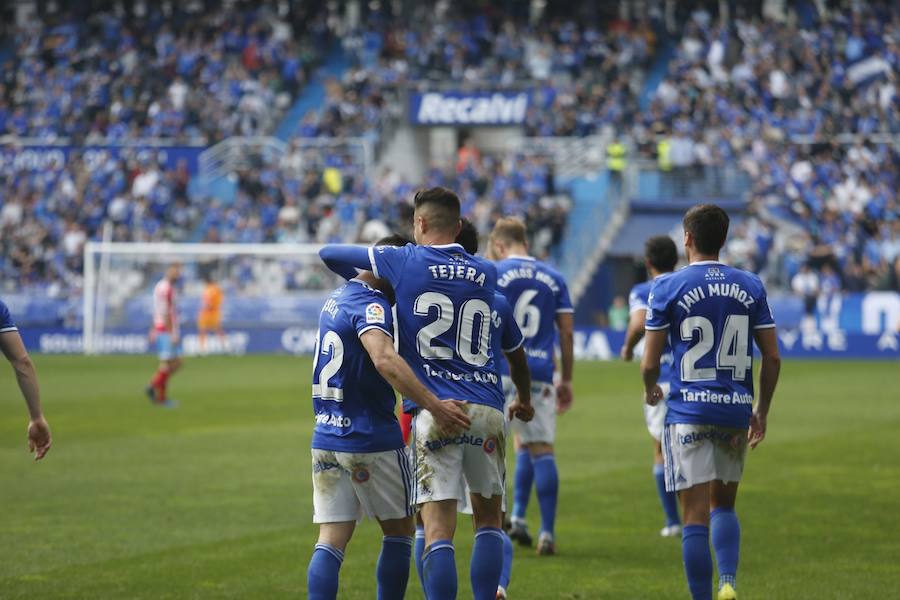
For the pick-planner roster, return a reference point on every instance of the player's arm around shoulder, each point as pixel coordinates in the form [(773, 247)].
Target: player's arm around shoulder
[(449, 414), (39, 438)]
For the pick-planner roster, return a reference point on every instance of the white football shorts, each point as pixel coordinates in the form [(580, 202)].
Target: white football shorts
[(449, 467), (349, 485), (656, 415), (695, 454), (542, 428)]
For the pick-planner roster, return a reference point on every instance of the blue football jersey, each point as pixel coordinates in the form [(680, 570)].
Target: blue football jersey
[(444, 299), (6, 322), (638, 300), (505, 337), (353, 404), (505, 333), (537, 294), (711, 311)]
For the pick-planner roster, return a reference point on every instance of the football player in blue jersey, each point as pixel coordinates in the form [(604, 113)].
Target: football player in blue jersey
[(360, 463), (710, 314), (444, 304), (39, 439), (660, 257), (541, 306)]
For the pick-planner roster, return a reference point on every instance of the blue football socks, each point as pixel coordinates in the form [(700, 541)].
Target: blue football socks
[(506, 572), (322, 574), (439, 569), (669, 500), (546, 482), (487, 563), (697, 561), (392, 571), (726, 539), (524, 478), (418, 551)]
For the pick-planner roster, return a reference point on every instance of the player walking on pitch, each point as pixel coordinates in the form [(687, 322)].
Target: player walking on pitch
[(166, 333), (444, 298), (360, 463), (39, 439), (541, 305), (660, 257), (708, 311)]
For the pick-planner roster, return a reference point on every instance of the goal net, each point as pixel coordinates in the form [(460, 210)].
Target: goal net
[(271, 295)]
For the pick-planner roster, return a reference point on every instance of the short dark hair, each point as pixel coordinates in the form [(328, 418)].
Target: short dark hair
[(708, 225), (395, 239), (468, 237), (442, 205), (661, 253)]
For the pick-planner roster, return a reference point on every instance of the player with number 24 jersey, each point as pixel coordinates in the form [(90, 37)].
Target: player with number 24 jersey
[(711, 311)]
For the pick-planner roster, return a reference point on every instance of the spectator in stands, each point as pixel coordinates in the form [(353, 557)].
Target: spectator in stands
[(805, 284)]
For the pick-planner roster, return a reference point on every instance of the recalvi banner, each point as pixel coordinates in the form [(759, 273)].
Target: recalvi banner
[(469, 108)]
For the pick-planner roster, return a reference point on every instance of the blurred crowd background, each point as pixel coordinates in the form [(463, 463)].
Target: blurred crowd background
[(803, 103)]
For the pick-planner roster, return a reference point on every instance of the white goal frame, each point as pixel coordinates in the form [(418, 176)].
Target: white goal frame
[(93, 304)]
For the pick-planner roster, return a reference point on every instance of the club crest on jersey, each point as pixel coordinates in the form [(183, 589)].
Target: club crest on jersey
[(714, 274), (375, 313), (360, 475)]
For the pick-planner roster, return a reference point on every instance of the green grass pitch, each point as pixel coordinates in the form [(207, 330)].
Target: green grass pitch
[(213, 500)]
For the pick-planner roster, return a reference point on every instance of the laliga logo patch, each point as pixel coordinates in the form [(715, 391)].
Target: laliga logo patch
[(490, 445), (360, 475), (375, 313)]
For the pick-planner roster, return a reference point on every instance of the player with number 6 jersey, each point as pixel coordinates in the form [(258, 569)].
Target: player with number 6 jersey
[(710, 313), (541, 306)]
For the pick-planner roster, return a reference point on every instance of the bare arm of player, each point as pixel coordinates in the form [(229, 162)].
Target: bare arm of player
[(770, 367), (449, 414), (565, 322), (654, 343), (38, 430), (521, 407), (345, 259), (634, 333)]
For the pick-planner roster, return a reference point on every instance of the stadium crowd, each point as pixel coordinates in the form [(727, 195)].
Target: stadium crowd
[(769, 97), (799, 107)]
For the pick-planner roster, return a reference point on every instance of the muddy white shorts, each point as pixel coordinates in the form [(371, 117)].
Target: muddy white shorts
[(656, 415), (695, 454), (348, 485), (542, 428), (447, 467)]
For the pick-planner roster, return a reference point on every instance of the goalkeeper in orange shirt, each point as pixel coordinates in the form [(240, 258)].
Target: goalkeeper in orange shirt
[(210, 317)]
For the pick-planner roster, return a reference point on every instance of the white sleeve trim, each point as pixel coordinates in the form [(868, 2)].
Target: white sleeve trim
[(8, 329), (381, 329), (514, 348), (764, 326), (372, 262), (638, 307), (656, 327), (565, 310)]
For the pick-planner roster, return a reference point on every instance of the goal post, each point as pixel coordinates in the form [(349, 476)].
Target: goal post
[(266, 286)]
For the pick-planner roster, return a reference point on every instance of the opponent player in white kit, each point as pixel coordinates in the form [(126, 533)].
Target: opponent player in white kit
[(660, 257), (166, 333), (710, 314)]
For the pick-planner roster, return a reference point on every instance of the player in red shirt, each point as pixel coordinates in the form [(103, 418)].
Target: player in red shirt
[(166, 334)]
